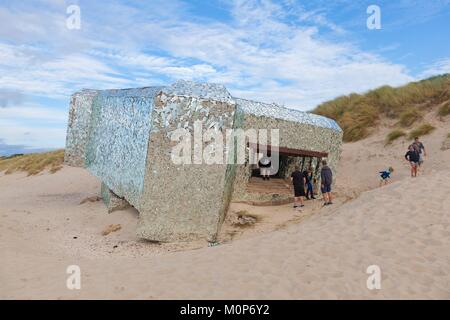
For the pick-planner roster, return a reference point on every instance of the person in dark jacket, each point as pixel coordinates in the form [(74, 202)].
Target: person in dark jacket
[(413, 157), (326, 176), (298, 180), (309, 183)]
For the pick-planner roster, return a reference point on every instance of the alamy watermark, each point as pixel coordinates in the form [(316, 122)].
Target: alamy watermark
[(73, 21), (374, 20), (231, 146), (374, 280), (73, 282)]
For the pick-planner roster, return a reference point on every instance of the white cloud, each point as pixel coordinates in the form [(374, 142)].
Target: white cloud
[(10, 97), (439, 67), (263, 58), (33, 125), (19, 133), (34, 112), (273, 51), (58, 77), (258, 55)]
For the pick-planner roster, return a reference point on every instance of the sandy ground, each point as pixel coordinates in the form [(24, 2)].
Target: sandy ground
[(361, 161), (318, 253)]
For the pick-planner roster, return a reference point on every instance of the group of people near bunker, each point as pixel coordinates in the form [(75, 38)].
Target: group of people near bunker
[(304, 181), (303, 185)]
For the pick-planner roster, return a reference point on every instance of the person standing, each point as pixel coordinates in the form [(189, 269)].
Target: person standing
[(264, 167), (420, 149), (298, 180), (326, 176), (309, 183), (413, 157)]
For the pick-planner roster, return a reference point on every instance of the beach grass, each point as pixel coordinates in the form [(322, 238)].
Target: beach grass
[(33, 163), (424, 129), (444, 110), (357, 114), (409, 117), (394, 135)]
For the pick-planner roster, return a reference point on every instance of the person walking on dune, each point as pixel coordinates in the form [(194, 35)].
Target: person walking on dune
[(420, 148), (413, 157), (326, 176), (385, 176)]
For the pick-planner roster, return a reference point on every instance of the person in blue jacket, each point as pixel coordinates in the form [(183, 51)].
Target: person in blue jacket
[(385, 176)]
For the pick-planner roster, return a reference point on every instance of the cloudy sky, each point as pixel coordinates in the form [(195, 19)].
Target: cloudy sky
[(293, 52)]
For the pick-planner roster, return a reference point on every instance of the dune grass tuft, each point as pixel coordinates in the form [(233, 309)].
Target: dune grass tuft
[(444, 110), (394, 135), (33, 163), (357, 114), (409, 117), (424, 129)]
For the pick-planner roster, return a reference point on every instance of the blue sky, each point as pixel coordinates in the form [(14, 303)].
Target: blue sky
[(296, 53)]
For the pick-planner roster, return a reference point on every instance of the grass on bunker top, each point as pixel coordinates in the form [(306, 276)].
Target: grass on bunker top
[(33, 163), (358, 114)]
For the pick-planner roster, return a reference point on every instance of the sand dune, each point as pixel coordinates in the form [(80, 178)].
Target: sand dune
[(404, 228), (319, 253), (361, 161)]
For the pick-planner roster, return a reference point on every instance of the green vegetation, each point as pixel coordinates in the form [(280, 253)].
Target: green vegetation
[(408, 117), (357, 114), (444, 110), (33, 163), (424, 129), (394, 135)]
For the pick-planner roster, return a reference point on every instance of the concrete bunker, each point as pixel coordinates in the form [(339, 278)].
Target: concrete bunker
[(124, 137)]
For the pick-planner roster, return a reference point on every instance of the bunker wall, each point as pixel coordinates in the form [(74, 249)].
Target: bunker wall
[(184, 201)]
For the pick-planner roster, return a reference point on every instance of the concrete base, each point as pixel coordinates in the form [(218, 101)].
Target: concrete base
[(112, 201)]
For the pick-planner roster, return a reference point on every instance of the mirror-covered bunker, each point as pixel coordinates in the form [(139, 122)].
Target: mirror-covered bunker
[(126, 139)]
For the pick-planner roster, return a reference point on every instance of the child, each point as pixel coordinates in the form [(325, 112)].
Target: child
[(385, 176)]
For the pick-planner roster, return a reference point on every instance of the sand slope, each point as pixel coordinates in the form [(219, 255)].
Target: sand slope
[(404, 228), (362, 160)]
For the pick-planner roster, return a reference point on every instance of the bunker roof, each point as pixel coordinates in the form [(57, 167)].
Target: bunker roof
[(218, 92), (273, 110)]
